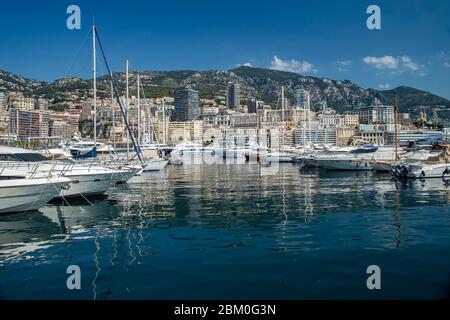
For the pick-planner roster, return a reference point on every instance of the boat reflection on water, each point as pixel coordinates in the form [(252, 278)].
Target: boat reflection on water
[(25, 232)]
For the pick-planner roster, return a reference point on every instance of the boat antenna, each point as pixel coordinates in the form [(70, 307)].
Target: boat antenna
[(122, 110)]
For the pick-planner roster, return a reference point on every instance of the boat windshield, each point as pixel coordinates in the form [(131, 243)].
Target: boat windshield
[(28, 157)]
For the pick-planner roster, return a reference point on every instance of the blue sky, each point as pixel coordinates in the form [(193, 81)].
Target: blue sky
[(319, 38)]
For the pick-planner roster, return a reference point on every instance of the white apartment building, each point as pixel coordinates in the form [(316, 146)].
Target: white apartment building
[(375, 114), (326, 135), (330, 119)]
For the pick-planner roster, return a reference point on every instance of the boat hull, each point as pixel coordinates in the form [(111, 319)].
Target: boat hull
[(88, 184), (17, 197), (345, 165), (155, 165), (420, 171)]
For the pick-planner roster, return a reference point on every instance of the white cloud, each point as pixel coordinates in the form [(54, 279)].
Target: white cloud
[(292, 65), (384, 86), (409, 64), (343, 64), (385, 62), (395, 64), (443, 58), (247, 64)]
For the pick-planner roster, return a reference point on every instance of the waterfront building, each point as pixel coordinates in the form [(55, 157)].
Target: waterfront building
[(233, 95), (316, 134), (344, 134), (185, 131), (351, 120), (330, 118), (244, 120), (70, 118), (417, 136), (375, 137), (29, 124), (221, 118), (375, 114), (241, 137), (60, 129), (301, 116), (186, 104)]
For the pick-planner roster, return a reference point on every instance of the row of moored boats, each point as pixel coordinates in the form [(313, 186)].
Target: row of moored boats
[(28, 179)]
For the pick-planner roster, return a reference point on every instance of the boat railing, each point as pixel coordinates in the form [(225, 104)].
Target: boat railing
[(32, 169)]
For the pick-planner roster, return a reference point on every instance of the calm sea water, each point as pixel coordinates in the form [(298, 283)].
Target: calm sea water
[(230, 231)]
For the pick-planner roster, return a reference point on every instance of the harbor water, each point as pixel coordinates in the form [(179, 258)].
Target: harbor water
[(224, 231)]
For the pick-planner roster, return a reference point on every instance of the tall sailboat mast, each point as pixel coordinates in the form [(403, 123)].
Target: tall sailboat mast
[(164, 120), (309, 117), (282, 116), (118, 99), (94, 71), (138, 110), (113, 117), (126, 108), (396, 126)]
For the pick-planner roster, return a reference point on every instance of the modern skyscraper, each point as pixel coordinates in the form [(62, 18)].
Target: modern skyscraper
[(251, 105), (233, 95), (186, 104)]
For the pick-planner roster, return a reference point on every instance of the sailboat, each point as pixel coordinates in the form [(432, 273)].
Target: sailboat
[(149, 164), (283, 154)]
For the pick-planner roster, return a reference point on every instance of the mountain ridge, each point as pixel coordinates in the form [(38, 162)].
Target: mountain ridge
[(263, 84)]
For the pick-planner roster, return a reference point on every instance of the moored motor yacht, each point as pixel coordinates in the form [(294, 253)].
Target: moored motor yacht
[(424, 165), (358, 159), (87, 178), (19, 193)]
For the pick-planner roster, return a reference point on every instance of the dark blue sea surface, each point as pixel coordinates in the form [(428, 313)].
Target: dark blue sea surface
[(235, 232)]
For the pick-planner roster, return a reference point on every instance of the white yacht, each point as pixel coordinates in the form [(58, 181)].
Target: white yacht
[(87, 178), (283, 155), (188, 153), (358, 159), (311, 157), (423, 165), (19, 193)]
